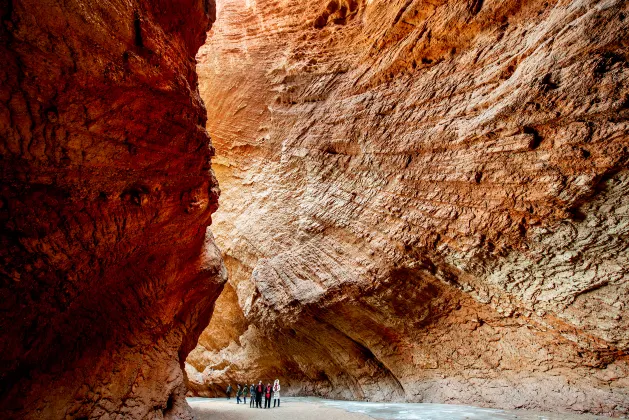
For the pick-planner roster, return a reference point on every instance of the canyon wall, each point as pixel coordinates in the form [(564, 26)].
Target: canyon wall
[(423, 200), (108, 275)]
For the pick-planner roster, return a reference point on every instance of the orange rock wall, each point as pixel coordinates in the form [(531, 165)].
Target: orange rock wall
[(423, 200), (107, 274)]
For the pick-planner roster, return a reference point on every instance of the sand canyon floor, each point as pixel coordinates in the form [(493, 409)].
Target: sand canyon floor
[(316, 409)]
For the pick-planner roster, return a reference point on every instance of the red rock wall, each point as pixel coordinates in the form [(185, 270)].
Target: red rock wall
[(107, 273), (424, 200)]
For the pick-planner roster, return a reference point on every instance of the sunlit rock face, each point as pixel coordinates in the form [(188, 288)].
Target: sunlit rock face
[(422, 200), (107, 274)]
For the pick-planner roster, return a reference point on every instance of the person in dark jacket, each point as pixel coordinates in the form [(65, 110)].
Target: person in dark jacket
[(252, 390), (252, 393), (245, 392), (259, 392), (228, 391), (268, 391), (238, 394)]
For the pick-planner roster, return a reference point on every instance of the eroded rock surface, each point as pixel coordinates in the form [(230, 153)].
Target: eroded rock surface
[(107, 273), (423, 200)]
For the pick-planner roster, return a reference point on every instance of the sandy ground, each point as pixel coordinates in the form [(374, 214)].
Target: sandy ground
[(221, 409), (318, 409)]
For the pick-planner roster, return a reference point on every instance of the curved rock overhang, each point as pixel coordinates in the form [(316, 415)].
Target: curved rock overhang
[(422, 200)]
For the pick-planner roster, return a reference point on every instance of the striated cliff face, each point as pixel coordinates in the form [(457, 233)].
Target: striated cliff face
[(107, 275), (422, 200)]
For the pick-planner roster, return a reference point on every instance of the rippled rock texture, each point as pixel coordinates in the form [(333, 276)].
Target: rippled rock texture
[(107, 275), (422, 200)]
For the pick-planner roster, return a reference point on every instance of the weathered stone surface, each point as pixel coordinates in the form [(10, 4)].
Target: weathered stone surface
[(107, 275), (423, 200)]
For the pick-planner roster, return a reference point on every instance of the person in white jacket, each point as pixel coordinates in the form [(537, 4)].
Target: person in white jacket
[(276, 392)]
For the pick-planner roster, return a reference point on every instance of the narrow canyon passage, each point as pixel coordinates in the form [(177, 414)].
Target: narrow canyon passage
[(421, 201)]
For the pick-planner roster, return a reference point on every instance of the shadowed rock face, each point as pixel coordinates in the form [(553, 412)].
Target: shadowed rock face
[(422, 200), (107, 273)]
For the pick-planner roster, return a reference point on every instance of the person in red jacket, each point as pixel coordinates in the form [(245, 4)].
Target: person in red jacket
[(267, 396), (259, 392)]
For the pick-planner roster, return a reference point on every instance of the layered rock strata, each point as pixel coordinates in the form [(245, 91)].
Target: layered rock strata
[(423, 200), (107, 274)]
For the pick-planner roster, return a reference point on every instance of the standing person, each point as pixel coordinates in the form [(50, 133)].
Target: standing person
[(267, 395), (238, 394), (228, 391), (245, 392), (252, 390), (259, 392), (276, 393)]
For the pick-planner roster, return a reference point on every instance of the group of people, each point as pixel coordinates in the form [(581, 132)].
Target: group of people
[(257, 391)]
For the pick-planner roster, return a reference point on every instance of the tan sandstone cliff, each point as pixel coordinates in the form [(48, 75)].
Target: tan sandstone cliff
[(107, 275), (423, 200)]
